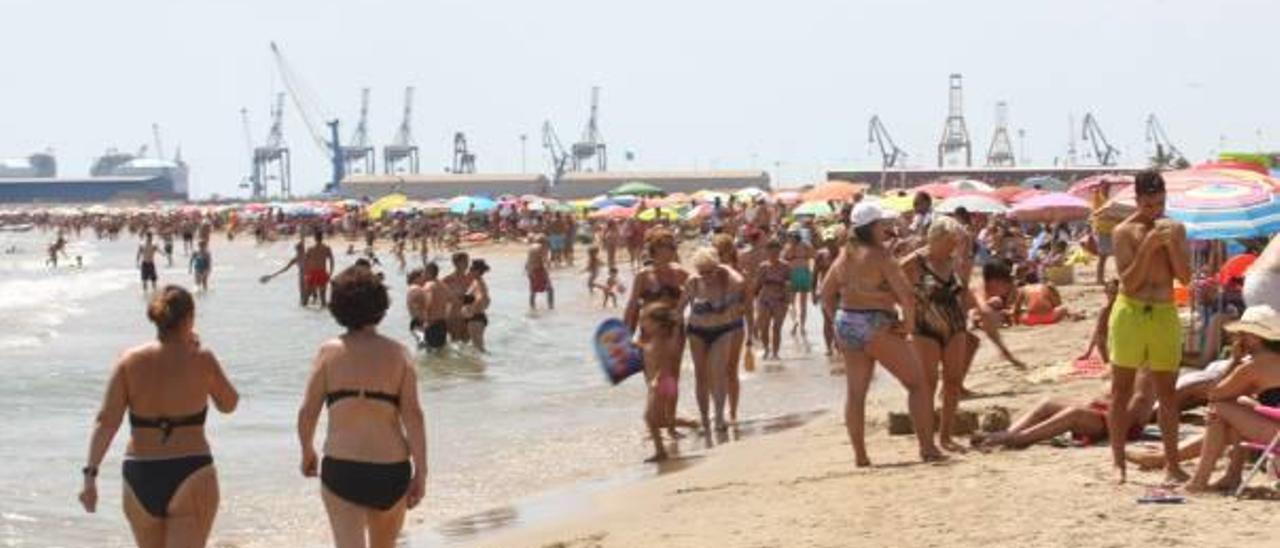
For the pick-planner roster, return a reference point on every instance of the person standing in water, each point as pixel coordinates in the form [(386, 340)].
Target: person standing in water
[(201, 264), (170, 484), (317, 264), (146, 260), (798, 255), (475, 301), (457, 282), (537, 268), (299, 254), (1151, 251), (375, 452)]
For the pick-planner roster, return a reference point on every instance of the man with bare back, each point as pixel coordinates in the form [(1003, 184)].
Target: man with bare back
[(537, 266), (1151, 251), (317, 263)]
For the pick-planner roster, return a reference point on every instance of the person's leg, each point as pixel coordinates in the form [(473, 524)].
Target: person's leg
[(1080, 421), (901, 360), (718, 359), (1151, 460), (654, 420), (148, 530), (385, 525), (192, 510), (930, 354), (954, 364), (1229, 422), (802, 302), (858, 367), (476, 334), (700, 352), (1102, 269), (1122, 379), (828, 333), (347, 520), (763, 323), (551, 296), (777, 318), (1167, 416), (735, 357)]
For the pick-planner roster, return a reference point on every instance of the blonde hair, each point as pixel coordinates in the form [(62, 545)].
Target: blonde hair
[(945, 226), (706, 257)]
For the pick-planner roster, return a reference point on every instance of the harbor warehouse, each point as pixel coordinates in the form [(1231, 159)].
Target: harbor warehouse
[(429, 187)]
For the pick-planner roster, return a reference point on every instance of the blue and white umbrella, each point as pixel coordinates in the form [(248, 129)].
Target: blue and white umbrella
[(466, 204)]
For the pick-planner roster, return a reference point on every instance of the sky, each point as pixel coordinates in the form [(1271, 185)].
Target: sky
[(711, 84)]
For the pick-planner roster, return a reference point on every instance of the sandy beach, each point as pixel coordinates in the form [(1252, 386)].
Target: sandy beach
[(799, 488)]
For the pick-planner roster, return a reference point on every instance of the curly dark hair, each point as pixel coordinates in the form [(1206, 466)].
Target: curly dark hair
[(358, 298)]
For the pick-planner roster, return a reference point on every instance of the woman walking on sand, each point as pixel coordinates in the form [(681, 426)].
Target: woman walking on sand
[(868, 286), (715, 295), (170, 485), (375, 452)]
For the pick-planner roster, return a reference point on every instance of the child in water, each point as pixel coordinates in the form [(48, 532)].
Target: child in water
[(593, 268), (201, 264), (611, 289), (660, 341)]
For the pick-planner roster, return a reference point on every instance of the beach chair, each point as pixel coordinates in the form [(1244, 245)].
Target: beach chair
[(1270, 452)]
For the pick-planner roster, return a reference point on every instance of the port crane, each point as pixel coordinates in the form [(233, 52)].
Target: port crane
[(560, 159), (1000, 153), (464, 161), (955, 134), (401, 155), (272, 160), (1166, 155), (592, 145), (1103, 152), (357, 156), (890, 153), (305, 103)]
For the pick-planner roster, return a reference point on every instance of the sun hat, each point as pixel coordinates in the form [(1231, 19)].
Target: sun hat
[(865, 213), (1260, 320)]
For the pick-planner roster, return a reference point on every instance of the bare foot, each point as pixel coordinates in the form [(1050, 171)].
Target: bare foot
[(1120, 474), (1197, 487), (1175, 474), (933, 455), (1225, 485), (673, 434), (1146, 460), (657, 457), (951, 445), (861, 461)]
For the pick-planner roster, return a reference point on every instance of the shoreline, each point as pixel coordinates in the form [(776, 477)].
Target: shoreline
[(800, 487)]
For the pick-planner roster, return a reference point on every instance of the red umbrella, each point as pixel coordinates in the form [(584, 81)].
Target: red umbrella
[(1051, 207), (938, 191), (1084, 188), (834, 190)]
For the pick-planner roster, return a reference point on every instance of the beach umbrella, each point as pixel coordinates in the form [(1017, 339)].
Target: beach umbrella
[(938, 191), (1084, 188), (1051, 184), (377, 208), (787, 197), (637, 188), (655, 213), (614, 212), (750, 194), (1052, 207), (1214, 204), (971, 185), (814, 209), (900, 202), (465, 204), (700, 211), (975, 203), (840, 191), (710, 196)]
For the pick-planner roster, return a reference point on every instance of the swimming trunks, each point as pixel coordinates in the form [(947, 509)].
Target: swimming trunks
[(154, 482), (200, 263), (556, 241), (436, 334), (315, 278), (710, 334), (801, 279), (856, 327), (539, 280), (148, 271), (370, 484), (1143, 333)]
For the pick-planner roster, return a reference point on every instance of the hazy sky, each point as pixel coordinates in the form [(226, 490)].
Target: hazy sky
[(686, 84)]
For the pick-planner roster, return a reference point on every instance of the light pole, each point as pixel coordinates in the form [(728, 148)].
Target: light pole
[(523, 166)]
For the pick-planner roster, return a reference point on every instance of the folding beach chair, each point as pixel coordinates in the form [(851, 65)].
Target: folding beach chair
[(1270, 452)]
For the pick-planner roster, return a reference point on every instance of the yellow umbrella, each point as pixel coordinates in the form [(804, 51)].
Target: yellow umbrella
[(385, 203), (896, 202), (668, 214)]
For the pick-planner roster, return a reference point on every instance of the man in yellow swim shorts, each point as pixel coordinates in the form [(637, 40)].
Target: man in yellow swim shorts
[(1151, 252)]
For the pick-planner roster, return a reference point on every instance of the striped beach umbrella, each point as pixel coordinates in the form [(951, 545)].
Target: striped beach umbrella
[(1216, 205)]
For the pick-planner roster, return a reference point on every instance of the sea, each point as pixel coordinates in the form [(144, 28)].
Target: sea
[(516, 437)]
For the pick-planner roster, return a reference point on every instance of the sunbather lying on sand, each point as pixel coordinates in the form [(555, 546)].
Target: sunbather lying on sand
[(1086, 422)]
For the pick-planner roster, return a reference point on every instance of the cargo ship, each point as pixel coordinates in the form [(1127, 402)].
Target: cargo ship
[(114, 176)]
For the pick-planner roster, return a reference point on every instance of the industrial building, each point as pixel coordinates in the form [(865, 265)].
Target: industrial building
[(573, 186), (428, 187), (115, 176)]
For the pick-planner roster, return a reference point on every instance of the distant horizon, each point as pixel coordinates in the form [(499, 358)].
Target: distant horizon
[(784, 89)]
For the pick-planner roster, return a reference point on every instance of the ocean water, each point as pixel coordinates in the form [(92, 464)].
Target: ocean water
[(533, 417)]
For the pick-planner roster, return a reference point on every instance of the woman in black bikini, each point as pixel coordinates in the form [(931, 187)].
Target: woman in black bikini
[(728, 253), (375, 452), (715, 296), (475, 302), (663, 281), (170, 485)]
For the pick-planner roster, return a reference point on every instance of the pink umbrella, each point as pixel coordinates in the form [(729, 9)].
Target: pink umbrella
[(1052, 207), (787, 196), (1084, 188), (614, 212)]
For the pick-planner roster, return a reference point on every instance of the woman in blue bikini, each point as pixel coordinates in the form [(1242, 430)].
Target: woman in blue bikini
[(867, 286)]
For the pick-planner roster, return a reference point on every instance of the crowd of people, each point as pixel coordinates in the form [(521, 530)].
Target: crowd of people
[(915, 292)]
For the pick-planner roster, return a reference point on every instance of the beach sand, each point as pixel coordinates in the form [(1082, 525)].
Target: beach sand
[(799, 487)]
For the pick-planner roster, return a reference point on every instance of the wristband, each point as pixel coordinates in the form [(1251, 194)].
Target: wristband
[(89, 471)]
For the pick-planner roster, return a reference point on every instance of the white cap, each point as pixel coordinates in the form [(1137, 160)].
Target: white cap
[(866, 212)]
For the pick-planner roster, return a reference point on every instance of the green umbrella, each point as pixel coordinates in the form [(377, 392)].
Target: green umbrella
[(814, 208), (637, 188)]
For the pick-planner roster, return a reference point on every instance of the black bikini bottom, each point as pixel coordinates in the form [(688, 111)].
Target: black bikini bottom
[(710, 334), (368, 484), (155, 481), (436, 334)]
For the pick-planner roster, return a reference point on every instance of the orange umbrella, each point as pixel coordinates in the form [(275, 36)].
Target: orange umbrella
[(834, 190)]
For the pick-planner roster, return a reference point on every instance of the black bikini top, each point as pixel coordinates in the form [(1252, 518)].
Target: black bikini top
[(337, 395), (167, 424)]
